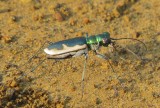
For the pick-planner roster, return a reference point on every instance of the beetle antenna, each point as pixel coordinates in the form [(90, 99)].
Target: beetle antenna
[(131, 39), (110, 64), (106, 58)]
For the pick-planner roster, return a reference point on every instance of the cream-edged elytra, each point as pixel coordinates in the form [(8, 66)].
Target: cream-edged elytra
[(65, 49)]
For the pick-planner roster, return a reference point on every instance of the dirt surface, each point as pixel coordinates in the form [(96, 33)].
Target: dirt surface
[(26, 24)]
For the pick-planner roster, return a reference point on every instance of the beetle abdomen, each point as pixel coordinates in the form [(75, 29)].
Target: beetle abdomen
[(66, 46)]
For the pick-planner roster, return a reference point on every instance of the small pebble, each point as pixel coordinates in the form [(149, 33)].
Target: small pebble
[(98, 101), (14, 18), (138, 34), (116, 13), (6, 39), (13, 83), (59, 17), (79, 34), (72, 22), (86, 20)]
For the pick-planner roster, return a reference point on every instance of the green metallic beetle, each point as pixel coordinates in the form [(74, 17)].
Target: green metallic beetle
[(77, 46), (80, 46)]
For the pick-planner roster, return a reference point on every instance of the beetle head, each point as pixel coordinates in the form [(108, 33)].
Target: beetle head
[(106, 41)]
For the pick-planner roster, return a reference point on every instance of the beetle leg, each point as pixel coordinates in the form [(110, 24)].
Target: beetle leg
[(86, 35), (95, 46), (81, 52), (111, 48), (34, 68), (84, 69), (104, 57)]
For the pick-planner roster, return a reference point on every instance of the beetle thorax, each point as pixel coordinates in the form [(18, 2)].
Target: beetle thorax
[(98, 39)]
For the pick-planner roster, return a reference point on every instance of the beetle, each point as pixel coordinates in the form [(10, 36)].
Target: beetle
[(80, 46)]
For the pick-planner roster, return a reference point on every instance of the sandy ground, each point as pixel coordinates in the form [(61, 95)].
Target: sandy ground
[(26, 24)]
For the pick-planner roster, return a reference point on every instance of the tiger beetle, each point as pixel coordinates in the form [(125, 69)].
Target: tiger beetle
[(80, 46)]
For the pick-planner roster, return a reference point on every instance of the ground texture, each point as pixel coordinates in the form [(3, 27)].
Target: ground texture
[(26, 24)]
